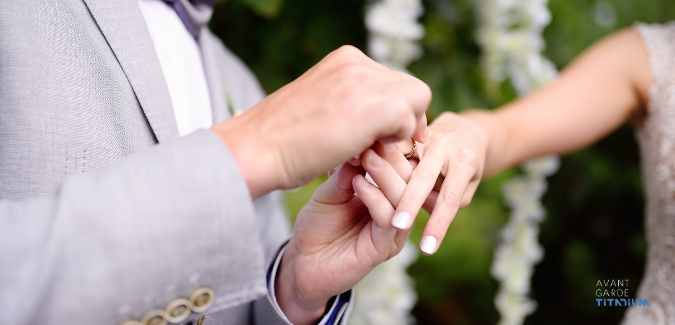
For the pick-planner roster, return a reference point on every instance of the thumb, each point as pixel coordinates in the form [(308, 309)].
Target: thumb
[(338, 188)]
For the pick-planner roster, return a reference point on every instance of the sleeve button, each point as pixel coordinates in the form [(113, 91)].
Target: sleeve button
[(178, 310), (154, 317), (202, 299)]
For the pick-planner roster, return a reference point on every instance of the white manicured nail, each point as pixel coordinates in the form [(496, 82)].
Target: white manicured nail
[(429, 244), (401, 220)]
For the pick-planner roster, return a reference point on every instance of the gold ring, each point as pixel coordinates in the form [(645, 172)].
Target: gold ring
[(413, 150)]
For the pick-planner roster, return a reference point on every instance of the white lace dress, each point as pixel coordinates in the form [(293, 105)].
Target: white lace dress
[(657, 146)]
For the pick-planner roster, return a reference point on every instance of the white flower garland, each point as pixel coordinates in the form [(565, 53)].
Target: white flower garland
[(512, 42), (519, 250), (394, 31), (387, 295)]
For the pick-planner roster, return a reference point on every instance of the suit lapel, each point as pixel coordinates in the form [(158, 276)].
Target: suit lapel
[(123, 26)]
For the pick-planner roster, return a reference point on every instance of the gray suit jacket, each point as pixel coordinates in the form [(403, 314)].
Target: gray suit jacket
[(105, 213)]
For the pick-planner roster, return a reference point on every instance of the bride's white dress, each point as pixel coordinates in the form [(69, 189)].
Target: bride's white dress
[(657, 145)]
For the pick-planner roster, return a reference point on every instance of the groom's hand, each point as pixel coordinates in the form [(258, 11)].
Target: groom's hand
[(333, 112), (339, 238)]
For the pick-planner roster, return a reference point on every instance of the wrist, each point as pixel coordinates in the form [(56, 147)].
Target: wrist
[(493, 139), (255, 160), (296, 307)]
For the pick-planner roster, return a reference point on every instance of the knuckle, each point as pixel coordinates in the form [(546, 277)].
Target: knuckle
[(450, 115), (422, 91), (403, 115), (451, 199), (348, 54), (445, 115), (368, 257), (426, 92), (443, 140), (468, 156), (447, 118), (425, 171), (446, 139), (438, 226)]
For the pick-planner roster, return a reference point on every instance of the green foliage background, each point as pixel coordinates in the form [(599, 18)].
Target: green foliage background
[(594, 228)]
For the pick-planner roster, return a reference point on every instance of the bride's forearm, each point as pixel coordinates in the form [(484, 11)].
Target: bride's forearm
[(593, 96)]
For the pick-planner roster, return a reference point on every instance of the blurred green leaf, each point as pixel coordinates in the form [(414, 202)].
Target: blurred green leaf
[(265, 8)]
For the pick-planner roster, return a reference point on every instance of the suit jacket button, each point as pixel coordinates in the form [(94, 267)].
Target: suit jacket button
[(178, 310), (202, 299), (154, 317)]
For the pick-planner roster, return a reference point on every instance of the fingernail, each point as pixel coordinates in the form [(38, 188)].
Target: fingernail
[(425, 135), (429, 244), (376, 161), (401, 220), (390, 147)]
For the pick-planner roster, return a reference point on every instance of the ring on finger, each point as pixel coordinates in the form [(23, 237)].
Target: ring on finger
[(413, 150)]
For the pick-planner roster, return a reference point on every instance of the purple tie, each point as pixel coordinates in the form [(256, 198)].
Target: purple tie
[(194, 13)]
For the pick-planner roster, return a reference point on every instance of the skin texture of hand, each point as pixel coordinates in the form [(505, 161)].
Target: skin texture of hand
[(454, 148), (339, 238), (333, 112), (598, 92)]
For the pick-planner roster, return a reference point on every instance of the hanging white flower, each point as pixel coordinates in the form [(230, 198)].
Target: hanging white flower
[(512, 41), (395, 18), (542, 166), (394, 32), (519, 249), (511, 38), (387, 294)]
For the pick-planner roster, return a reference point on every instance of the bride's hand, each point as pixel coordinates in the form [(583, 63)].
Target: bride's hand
[(444, 176)]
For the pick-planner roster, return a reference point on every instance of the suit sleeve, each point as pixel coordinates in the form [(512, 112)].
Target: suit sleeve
[(133, 237)]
